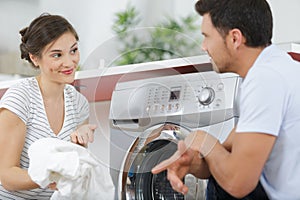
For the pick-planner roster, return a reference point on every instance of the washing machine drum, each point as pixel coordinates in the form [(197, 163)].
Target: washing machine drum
[(141, 184)]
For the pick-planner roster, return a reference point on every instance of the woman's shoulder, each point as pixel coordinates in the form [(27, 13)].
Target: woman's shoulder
[(25, 83), (19, 97), (25, 86)]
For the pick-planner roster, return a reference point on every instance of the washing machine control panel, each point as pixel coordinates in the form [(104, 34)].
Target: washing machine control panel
[(175, 95), (190, 95)]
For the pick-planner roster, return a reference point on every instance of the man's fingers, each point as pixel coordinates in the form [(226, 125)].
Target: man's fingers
[(181, 147), (165, 164), (181, 157), (176, 182)]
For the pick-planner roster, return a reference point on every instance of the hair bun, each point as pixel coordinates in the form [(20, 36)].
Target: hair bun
[(24, 52), (23, 46), (23, 34)]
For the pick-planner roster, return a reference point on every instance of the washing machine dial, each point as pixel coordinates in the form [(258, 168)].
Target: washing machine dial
[(206, 96)]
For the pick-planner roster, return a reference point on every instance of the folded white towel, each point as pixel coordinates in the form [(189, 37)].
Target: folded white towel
[(77, 172)]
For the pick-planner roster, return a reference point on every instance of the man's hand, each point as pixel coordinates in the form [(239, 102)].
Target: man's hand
[(201, 141), (187, 160), (83, 134), (177, 166)]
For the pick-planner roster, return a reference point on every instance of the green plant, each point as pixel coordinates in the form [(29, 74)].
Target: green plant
[(166, 40)]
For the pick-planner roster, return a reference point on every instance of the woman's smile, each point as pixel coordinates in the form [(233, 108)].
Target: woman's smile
[(67, 72)]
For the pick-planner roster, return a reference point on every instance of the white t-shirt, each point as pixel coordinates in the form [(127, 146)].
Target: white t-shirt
[(25, 100), (270, 103)]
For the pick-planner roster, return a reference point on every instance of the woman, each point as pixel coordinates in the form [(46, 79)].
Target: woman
[(41, 106)]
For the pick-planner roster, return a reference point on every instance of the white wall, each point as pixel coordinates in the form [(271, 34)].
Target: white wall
[(286, 16), (93, 18), (14, 15)]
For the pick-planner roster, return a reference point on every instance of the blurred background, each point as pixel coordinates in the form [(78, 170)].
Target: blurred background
[(100, 25)]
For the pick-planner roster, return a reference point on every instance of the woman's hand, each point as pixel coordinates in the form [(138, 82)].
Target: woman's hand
[(84, 134), (52, 186)]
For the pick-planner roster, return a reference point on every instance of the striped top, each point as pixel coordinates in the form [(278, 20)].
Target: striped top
[(25, 100)]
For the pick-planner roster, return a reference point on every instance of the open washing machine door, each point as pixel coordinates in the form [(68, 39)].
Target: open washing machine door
[(153, 146)]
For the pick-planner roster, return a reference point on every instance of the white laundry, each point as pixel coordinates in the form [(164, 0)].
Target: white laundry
[(78, 174)]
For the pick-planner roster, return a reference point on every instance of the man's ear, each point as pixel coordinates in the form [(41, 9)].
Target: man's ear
[(34, 59), (237, 38)]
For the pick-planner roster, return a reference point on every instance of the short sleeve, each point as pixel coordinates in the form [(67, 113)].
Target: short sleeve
[(17, 100), (262, 102)]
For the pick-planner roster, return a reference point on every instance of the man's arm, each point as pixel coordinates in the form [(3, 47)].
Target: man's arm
[(238, 171), (199, 167), (236, 165)]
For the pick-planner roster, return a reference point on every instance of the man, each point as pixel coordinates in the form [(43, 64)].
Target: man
[(264, 146)]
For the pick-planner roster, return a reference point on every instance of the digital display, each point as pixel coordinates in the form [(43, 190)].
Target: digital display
[(175, 94)]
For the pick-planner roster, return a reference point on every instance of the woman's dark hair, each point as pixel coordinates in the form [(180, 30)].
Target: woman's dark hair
[(252, 17), (43, 30)]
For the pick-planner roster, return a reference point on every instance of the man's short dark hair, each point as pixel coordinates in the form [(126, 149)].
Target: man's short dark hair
[(252, 17)]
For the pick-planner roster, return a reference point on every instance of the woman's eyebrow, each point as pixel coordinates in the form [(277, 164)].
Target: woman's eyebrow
[(73, 45)]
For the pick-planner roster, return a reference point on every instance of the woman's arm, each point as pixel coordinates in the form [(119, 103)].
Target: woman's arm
[(12, 138)]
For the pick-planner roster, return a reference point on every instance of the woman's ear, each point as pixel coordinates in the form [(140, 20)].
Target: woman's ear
[(34, 59)]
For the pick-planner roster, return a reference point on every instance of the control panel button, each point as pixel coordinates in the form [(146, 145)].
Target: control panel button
[(206, 96), (177, 106), (170, 107), (220, 86)]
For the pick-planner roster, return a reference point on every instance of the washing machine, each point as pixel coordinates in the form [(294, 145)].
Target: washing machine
[(148, 117)]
